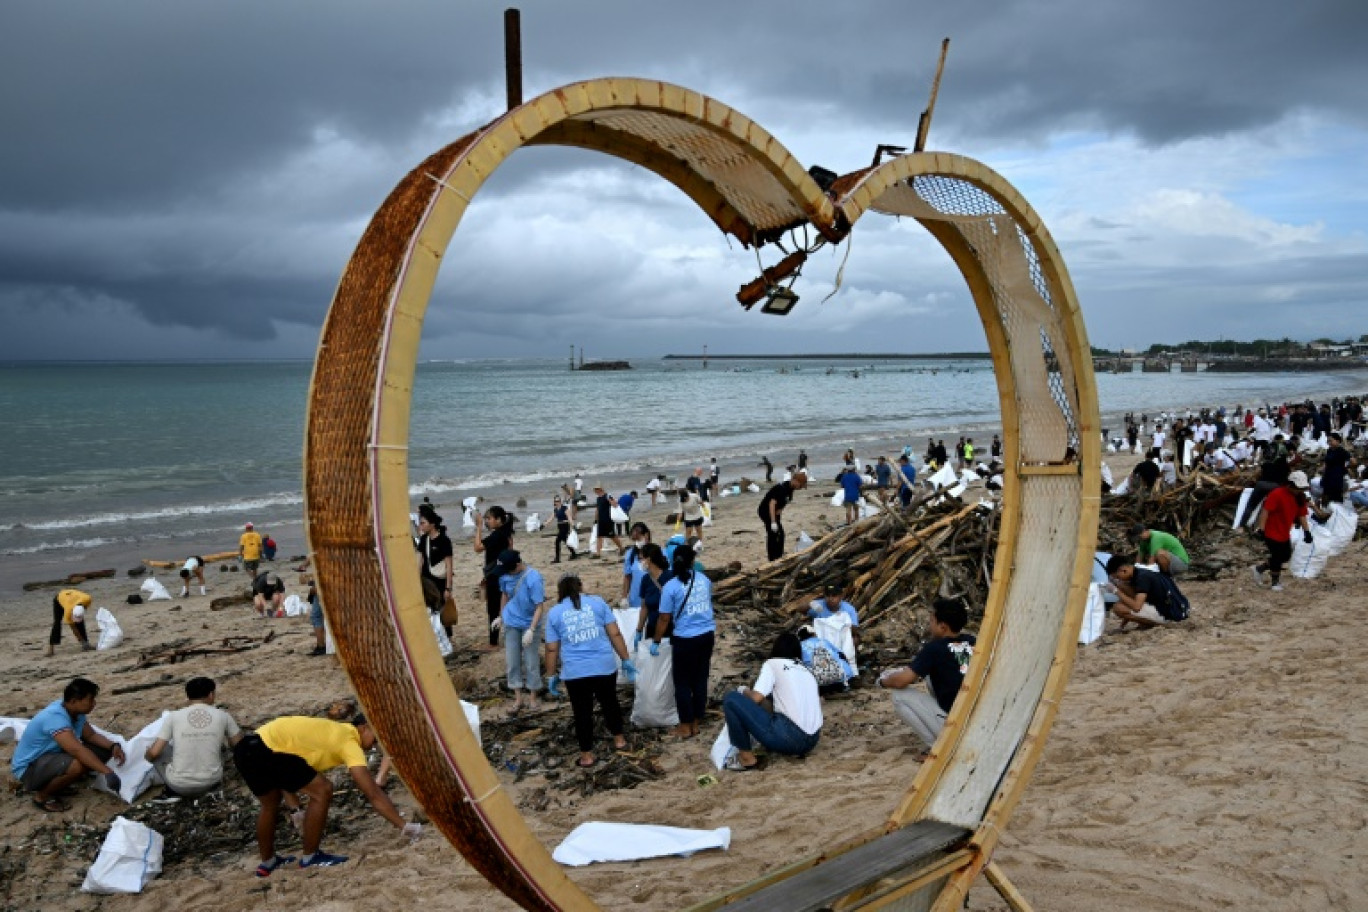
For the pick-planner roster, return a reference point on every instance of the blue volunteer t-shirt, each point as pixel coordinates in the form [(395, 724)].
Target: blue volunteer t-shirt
[(819, 609), (585, 649), (635, 567), (625, 502), (850, 483), (38, 739), (692, 609), (884, 472), (811, 645), (525, 592), (909, 473)]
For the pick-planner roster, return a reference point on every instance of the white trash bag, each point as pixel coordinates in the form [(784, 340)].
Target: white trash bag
[(1094, 616), (617, 514), (944, 477), (1308, 560), (722, 749), (626, 621), (753, 488), (533, 522), (1342, 525), (156, 592), (838, 499), (295, 606), (572, 540), (111, 634), (443, 641), (803, 543), (130, 856), (472, 714), (654, 705)]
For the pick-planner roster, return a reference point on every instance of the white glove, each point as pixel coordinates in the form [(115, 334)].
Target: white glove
[(413, 831), (496, 624), (528, 636), (622, 603), (774, 527)]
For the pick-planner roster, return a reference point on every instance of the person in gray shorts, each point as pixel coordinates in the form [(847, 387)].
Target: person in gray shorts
[(58, 748)]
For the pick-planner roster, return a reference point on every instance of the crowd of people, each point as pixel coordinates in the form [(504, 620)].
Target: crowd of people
[(561, 640)]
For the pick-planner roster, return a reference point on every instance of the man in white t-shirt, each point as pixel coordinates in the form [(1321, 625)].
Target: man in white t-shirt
[(1159, 437), (187, 752)]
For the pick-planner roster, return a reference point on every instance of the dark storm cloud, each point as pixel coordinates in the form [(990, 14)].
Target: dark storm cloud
[(211, 165)]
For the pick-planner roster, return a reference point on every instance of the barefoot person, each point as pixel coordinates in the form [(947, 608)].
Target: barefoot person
[(581, 638), (69, 607), (59, 748), (524, 600), (290, 755), (795, 725)]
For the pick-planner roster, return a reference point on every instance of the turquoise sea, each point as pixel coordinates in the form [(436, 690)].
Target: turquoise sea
[(102, 464)]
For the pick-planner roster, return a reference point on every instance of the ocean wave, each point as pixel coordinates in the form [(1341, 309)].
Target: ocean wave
[(286, 499)]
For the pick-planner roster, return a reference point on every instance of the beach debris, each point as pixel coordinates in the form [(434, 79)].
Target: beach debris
[(71, 580), (170, 655), (229, 601), (207, 558), (136, 571)]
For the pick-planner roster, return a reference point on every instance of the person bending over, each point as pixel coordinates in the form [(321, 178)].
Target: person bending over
[(289, 755)]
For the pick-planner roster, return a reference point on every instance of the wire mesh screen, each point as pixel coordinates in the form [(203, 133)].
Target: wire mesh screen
[(1021, 294)]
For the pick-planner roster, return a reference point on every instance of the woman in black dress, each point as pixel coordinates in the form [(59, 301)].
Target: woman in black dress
[(497, 539)]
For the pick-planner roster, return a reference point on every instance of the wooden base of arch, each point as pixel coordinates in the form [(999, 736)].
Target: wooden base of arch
[(746, 182)]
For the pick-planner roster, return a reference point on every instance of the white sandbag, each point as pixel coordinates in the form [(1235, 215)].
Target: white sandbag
[(654, 703), (130, 856), (838, 499), (868, 508), (1111, 448), (968, 477), (617, 514), (944, 477), (1094, 616), (1123, 487), (443, 641), (707, 515), (1100, 577), (533, 522), (626, 620), (468, 518), (295, 606), (722, 749), (1308, 560), (12, 729), (1107, 475), (572, 540), (156, 592), (599, 841), (837, 629), (111, 634), (753, 488), (803, 543), (593, 538), (469, 503), (136, 775), (472, 714), (726, 492), (956, 491), (1342, 525), (329, 644)]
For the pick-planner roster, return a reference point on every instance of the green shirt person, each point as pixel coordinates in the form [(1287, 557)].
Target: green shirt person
[(1154, 546)]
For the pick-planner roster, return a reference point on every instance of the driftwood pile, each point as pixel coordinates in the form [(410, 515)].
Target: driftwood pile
[(893, 565)]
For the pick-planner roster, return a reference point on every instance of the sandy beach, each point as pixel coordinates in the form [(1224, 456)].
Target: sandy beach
[(1216, 765)]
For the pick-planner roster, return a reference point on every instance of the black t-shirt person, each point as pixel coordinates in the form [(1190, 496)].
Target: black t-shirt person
[(779, 495), (1148, 583), (943, 662), (1147, 471)]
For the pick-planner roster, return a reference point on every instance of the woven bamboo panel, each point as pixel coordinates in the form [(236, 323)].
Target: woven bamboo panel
[(356, 466)]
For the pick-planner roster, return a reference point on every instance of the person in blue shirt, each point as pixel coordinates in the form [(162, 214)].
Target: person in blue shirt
[(624, 503), (524, 597), (633, 567), (582, 636), (657, 567), (686, 601), (833, 602), (851, 484), (883, 477), (59, 747), (909, 479)]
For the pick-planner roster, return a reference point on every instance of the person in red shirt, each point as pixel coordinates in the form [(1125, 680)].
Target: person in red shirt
[(1283, 508)]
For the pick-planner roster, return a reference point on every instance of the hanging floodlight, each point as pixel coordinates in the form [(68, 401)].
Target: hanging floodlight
[(779, 301)]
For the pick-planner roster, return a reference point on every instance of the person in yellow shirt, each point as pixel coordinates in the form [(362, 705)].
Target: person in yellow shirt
[(69, 606), (249, 550), (288, 755)]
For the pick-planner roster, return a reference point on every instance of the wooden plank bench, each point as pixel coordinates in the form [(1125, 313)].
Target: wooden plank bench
[(918, 845)]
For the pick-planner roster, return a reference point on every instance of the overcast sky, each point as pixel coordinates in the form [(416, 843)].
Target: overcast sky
[(184, 179)]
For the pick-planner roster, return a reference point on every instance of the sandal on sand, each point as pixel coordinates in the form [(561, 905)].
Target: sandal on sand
[(266, 867), (51, 805)]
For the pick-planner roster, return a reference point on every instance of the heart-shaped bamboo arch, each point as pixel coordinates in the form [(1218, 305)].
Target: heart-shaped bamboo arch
[(357, 480)]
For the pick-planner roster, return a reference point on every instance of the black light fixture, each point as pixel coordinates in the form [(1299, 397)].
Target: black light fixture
[(779, 301)]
